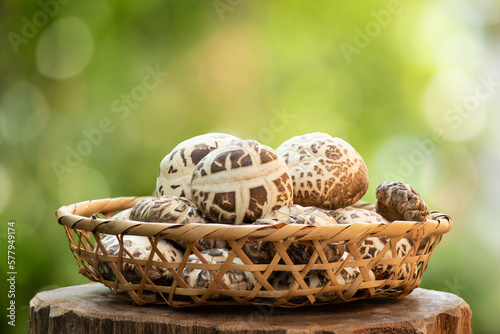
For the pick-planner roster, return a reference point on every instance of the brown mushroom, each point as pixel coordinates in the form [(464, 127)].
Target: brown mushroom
[(299, 252), (174, 174), (174, 210), (400, 201), (327, 172), (241, 182), (167, 209)]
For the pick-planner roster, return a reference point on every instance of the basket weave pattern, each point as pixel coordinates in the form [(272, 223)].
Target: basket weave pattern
[(85, 232)]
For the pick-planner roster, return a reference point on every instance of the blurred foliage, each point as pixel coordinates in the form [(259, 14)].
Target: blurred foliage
[(260, 70)]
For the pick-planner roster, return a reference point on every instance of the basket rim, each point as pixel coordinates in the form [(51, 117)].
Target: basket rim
[(78, 216)]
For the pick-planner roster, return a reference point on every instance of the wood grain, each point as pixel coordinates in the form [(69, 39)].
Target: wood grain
[(92, 308)]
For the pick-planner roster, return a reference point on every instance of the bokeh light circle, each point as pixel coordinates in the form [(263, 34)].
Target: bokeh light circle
[(456, 104), (452, 53), (64, 49), (24, 112)]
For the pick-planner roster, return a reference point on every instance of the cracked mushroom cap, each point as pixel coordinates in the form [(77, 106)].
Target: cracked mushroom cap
[(299, 253), (285, 280), (174, 210), (139, 247), (327, 172), (372, 246), (176, 169), (201, 279), (350, 215), (123, 215), (240, 183), (167, 209), (399, 201), (295, 209)]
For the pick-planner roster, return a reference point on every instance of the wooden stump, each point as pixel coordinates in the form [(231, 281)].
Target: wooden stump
[(92, 308)]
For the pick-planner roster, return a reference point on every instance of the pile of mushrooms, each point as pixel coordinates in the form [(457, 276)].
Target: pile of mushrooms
[(312, 179)]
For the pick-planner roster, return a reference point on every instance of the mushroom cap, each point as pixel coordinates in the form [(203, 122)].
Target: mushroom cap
[(307, 219), (174, 210), (327, 172), (122, 215), (206, 244), (140, 248), (201, 279), (292, 209), (299, 253), (241, 182), (167, 209), (400, 201), (350, 215), (372, 246), (176, 168), (284, 280), (316, 279)]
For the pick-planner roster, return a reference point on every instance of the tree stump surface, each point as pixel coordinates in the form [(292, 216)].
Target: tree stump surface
[(92, 308)]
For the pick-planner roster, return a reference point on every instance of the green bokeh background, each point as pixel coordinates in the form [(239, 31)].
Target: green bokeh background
[(406, 83)]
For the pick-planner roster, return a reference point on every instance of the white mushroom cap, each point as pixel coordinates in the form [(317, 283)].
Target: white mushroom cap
[(140, 248), (295, 209), (372, 246), (327, 172), (174, 210), (241, 182), (201, 279), (176, 169), (299, 253), (123, 215), (285, 280), (167, 209), (350, 215)]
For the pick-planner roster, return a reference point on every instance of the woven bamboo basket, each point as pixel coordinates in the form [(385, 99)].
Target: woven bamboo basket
[(85, 230)]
